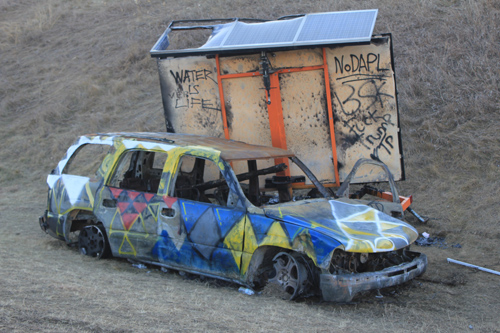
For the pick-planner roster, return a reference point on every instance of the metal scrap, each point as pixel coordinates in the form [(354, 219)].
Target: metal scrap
[(435, 241), (453, 261)]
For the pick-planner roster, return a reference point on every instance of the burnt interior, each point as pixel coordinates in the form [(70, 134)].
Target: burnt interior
[(139, 171), (261, 184), (348, 262)]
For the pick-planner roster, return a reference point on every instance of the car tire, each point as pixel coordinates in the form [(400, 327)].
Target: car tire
[(290, 277), (93, 242)]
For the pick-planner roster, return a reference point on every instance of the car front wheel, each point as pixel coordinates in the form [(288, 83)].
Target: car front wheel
[(290, 275)]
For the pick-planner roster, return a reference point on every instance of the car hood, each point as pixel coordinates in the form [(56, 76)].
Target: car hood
[(359, 228)]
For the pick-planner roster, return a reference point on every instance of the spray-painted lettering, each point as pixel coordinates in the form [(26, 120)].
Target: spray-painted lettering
[(363, 85), (356, 63), (189, 76), (189, 84)]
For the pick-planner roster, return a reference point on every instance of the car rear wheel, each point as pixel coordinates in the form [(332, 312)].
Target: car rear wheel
[(290, 275), (93, 242)]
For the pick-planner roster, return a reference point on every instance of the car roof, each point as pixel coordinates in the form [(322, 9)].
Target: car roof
[(230, 150)]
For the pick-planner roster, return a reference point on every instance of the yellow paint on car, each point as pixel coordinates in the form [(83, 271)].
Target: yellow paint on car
[(276, 236), (233, 241)]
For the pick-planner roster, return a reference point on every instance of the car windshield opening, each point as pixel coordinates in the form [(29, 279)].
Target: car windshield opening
[(277, 180)]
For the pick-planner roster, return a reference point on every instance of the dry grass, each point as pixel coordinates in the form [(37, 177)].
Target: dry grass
[(69, 68)]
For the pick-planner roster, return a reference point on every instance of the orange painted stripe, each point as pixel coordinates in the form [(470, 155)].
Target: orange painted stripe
[(300, 69), (281, 71), (232, 76), (276, 122), (330, 119), (222, 101), (275, 110)]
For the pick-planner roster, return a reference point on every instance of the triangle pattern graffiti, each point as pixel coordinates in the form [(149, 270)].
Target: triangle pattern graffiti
[(139, 206), (126, 247), (128, 220)]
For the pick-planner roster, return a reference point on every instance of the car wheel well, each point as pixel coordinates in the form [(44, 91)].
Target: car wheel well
[(75, 221), (262, 266)]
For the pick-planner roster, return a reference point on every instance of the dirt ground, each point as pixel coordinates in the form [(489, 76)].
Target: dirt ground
[(48, 286), (69, 68)]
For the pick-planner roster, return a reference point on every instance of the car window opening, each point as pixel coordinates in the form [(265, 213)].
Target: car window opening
[(86, 160), (139, 171), (200, 179)]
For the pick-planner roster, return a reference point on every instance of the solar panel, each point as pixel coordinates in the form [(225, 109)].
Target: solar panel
[(339, 26), (276, 32), (310, 29)]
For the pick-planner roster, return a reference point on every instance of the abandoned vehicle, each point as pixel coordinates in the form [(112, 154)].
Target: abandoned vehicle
[(224, 209)]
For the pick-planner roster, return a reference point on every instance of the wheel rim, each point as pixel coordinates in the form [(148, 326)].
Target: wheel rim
[(289, 275), (91, 241)]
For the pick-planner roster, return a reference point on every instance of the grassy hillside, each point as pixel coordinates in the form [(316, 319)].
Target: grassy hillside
[(74, 67)]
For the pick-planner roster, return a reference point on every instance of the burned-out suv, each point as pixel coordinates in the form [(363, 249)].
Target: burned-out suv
[(225, 209)]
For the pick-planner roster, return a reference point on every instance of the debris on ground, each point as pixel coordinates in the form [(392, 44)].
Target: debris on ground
[(440, 242), (246, 291), (421, 219), (136, 264), (453, 261)]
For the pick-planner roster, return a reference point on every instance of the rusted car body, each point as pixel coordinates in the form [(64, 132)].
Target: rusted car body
[(224, 209)]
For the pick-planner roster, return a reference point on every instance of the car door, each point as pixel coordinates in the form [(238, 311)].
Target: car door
[(200, 223), (129, 203)]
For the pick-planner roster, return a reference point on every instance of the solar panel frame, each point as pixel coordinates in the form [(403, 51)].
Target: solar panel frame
[(310, 29)]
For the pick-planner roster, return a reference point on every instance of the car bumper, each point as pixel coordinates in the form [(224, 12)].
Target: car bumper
[(52, 224), (343, 287), (42, 220)]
